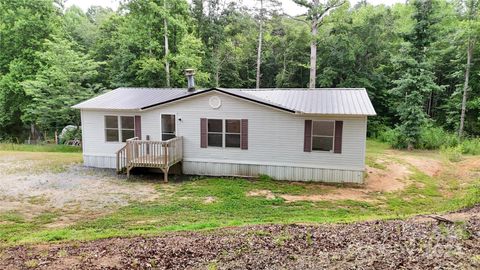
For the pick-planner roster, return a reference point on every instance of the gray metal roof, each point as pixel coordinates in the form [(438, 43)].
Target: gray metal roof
[(331, 101), (349, 101), (132, 98)]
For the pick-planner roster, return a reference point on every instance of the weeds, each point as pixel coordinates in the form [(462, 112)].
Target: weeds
[(40, 148)]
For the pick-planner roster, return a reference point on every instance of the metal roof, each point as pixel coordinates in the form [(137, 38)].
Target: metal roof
[(348, 101), (331, 101), (132, 98)]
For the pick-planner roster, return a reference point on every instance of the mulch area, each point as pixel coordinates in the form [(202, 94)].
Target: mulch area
[(398, 244)]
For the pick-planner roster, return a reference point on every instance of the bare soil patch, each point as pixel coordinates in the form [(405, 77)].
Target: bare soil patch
[(469, 168), (209, 200), (397, 244), (428, 166), (394, 177), (261, 193)]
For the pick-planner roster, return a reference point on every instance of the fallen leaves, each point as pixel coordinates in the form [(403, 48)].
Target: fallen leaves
[(398, 244)]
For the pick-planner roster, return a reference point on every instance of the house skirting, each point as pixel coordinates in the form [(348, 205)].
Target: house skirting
[(100, 161), (279, 172)]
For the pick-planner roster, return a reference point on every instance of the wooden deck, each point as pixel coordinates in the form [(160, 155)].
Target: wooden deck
[(150, 154)]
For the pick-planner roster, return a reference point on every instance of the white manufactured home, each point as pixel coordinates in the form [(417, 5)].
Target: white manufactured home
[(288, 134)]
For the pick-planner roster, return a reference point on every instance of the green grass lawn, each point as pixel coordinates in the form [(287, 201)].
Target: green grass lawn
[(182, 206), (40, 148)]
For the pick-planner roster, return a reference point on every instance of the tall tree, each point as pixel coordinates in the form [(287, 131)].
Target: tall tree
[(260, 40), (469, 10), (63, 80), (165, 35), (416, 79), (317, 10), (24, 24)]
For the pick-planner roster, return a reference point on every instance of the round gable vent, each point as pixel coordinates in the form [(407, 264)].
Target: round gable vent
[(215, 102)]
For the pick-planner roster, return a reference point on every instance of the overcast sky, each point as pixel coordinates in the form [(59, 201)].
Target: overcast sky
[(288, 6)]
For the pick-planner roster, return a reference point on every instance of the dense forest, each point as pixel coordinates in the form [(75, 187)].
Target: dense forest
[(418, 61)]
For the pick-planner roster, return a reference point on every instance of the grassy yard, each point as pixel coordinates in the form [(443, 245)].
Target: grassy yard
[(40, 148), (206, 203)]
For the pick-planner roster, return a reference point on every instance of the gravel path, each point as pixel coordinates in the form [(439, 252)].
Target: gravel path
[(417, 243)]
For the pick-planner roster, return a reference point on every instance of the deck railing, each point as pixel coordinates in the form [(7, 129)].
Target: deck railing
[(150, 154)]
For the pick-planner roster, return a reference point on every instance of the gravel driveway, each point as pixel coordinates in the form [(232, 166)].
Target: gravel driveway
[(32, 183)]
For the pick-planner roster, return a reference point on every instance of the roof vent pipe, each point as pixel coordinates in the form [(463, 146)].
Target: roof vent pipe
[(190, 73)]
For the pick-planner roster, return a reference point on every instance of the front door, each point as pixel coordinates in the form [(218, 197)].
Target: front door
[(168, 127)]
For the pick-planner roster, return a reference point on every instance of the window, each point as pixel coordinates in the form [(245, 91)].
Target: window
[(168, 126), (128, 127), (215, 132), (111, 128), (232, 133), (322, 135), (114, 133)]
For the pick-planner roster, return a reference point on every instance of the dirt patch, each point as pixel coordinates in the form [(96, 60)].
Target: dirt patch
[(395, 244), (337, 195), (469, 168), (261, 193), (209, 200), (393, 178), (428, 166), (75, 191)]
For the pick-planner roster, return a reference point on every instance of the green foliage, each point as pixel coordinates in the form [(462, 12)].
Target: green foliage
[(454, 154), (393, 137), (432, 137), (190, 55), (61, 82), (471, 146), (410, 57), (70, 134)]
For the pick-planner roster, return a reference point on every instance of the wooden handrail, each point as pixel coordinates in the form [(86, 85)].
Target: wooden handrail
[(150, 154)]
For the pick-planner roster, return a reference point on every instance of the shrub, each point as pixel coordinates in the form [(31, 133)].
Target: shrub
[(454, 154), (435, 137), (471, 146), (393, 137), (430, 138)]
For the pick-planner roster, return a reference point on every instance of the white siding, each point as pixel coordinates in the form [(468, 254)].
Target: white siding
[(275, 137)]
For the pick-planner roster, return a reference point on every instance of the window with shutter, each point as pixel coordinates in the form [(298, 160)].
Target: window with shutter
[(244, 134)]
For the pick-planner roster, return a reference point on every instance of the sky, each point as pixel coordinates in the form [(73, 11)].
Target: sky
[(288, 6)]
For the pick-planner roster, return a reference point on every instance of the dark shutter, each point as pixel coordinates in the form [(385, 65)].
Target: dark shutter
[(203, 132), (244, 135), (337, 148), (138, 126), (307, 138)]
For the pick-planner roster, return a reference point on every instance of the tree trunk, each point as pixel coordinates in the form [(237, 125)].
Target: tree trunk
[(165, 35), (259, 50), (465, 87), (217, 76), (313, 54)]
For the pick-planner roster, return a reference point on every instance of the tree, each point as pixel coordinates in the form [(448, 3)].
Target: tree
[(165, 36), (261, 20), (416, 79), (62, 81), (317, 10), (190, 55), (24, 24), (469, 10), (260, 40)]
